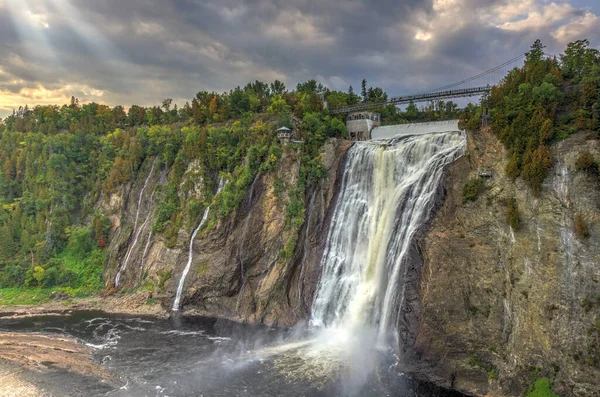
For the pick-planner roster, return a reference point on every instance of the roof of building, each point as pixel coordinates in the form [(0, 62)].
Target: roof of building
[(283, 129)]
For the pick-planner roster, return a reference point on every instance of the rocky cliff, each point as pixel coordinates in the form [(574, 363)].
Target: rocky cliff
[(500, 308), (238, 270), (489, 309)]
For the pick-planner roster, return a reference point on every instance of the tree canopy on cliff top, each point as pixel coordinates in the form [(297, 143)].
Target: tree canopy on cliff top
[(546, 100)]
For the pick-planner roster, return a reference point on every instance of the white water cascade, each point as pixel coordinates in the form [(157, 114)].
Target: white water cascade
[(388, 192), (136, 231), (241, 246), (188, 265)]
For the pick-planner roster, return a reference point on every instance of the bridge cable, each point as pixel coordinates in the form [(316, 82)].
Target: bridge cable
[(495, 69)]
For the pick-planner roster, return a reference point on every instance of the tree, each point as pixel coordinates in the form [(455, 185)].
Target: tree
[(239, 102), (166, 104), (277, 88), (577, 57), (535, 168), (596, 114), (376, 95), (278, 106), (137, 115), (536, 52), (363, 91)]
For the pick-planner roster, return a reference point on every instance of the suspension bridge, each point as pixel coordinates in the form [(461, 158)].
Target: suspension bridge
[(479, 84)]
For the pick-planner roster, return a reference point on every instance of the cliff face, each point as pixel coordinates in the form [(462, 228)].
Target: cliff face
[(238, 271), (499, 307), (488, 309)]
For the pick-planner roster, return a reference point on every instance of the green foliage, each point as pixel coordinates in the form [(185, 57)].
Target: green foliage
[(542, 102), (537, 164), (288, 250), (513, 218), (472, 189), (12, 276), (168, 208), (20, 296), (541, 388), (164, 277), (470, 118), (278, 188)]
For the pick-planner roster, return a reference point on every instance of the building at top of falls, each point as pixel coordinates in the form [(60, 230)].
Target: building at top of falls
[(360, 124)]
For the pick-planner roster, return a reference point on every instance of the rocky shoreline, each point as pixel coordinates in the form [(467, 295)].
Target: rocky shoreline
[(29, 360), (131, 304)]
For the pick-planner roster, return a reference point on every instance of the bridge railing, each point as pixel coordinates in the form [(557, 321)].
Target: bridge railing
[(462, 93)]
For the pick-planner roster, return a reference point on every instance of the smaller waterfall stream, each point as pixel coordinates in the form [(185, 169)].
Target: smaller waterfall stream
[(240, 250), (136, 231), (146, 248), (306, 251), (188, 265)]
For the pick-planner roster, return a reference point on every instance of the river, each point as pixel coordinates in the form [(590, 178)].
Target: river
[(185, 356)]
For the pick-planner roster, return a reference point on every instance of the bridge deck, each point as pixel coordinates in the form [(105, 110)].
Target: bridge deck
[(462, 93)]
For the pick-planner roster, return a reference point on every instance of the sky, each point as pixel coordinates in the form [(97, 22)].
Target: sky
[(142, 51)]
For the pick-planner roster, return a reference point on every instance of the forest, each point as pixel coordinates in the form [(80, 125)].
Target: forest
[(545, 101)]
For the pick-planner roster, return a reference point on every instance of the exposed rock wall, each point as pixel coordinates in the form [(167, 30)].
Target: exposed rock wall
[(498, 307), (237, 271)]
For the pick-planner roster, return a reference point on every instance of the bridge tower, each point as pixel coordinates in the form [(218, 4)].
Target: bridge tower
[(360, 124)]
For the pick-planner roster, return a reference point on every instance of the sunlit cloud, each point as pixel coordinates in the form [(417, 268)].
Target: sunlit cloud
[(41, 95)]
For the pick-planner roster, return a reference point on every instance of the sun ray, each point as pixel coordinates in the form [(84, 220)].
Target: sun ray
[(92, 36), (31, 26)]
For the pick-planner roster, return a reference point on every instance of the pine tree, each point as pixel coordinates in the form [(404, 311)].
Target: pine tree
[(364, 90)]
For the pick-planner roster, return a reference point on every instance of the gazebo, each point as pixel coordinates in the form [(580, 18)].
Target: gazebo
[(284, 134)]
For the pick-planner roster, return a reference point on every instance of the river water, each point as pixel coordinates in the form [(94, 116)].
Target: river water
[(202, 357)]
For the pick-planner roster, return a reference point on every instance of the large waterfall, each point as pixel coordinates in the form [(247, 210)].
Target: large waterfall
[(388, 192)]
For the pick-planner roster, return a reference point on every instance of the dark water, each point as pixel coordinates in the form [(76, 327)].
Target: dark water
[(201, 357)]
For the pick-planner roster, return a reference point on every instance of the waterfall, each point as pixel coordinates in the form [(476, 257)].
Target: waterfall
[(146, 248), (306, 249), (136, 234), (240, 249), (387, 193), (186, 270)]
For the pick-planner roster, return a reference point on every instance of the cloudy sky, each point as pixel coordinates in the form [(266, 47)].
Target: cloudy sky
[(142, 51)]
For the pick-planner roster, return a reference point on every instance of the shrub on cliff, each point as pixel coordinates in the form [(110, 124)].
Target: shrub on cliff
[(470, 118), (585, 162), (537, 164), (472, 189), (541, 388), (581, 227), (513, 218)]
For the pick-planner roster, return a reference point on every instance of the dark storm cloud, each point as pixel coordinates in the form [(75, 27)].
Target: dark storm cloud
[(140, 51)]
